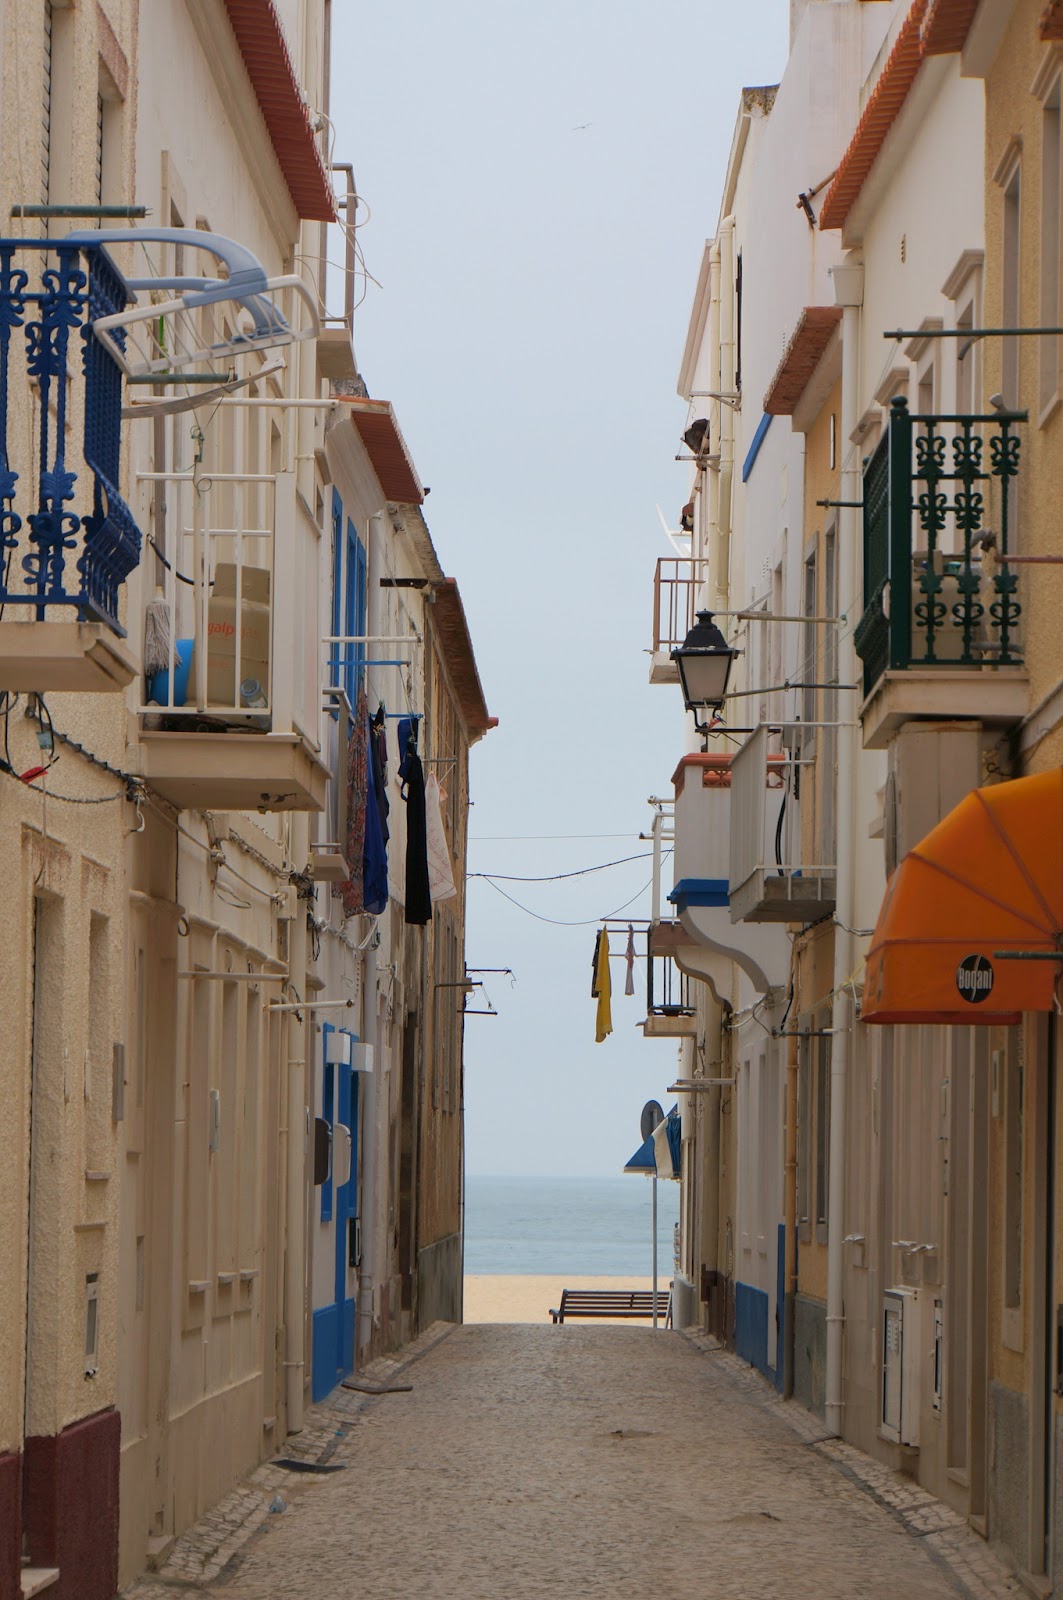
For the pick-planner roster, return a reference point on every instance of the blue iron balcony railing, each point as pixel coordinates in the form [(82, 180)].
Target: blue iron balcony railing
[(60, 545), (933, 488)]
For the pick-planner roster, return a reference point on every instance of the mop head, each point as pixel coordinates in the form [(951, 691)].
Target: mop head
[(156, 638)]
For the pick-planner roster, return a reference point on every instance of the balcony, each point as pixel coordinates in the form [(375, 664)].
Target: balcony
[(939, 634), (769, 882), (670, 1009), (68, 541), (704, 941), (231, 722), (676, 586)]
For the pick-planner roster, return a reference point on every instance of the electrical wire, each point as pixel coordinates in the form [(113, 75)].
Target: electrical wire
[(507, 838), (555, 877), (582, 922)]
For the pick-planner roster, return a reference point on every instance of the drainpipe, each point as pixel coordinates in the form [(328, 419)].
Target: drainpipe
[(710, 1119), (722, 564), (849, 294), (296, 1192), (790, 1213), (367, 1270), (709, 497)]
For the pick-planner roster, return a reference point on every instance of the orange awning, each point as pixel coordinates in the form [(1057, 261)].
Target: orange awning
[(987, 879)]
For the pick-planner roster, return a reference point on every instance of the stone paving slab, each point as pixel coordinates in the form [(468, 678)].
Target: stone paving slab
[(976, 1567), (210, 1549), (588, 1461)]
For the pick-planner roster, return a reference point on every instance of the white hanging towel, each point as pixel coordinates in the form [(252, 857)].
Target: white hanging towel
[(440, 871)]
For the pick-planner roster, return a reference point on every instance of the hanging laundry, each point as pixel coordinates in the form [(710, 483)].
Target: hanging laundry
[(629, 957), (441, 884), (375, 852), (378, 738), (408, 727), (357, 793), (418, 909), (603, 1025)]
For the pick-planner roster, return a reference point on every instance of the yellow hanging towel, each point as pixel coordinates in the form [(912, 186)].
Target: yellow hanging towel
[(603, 986)]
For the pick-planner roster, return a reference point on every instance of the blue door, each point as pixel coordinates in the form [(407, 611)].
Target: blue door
[(333, 1353)]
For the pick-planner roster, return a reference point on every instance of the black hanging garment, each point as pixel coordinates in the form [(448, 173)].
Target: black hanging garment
[(418, 895)]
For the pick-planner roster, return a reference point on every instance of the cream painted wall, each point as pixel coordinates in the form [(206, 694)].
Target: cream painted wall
[(64, 868)]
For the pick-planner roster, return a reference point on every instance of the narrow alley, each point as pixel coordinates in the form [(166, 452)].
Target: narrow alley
[(533, 1460)]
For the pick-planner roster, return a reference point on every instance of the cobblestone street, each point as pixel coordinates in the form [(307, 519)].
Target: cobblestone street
[(530, 1461)]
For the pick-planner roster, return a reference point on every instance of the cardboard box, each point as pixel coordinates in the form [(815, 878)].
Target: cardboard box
[(224, 673)]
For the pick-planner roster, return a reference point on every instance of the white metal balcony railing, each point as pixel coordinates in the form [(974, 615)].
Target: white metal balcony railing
[(768, 879), (239, 596)]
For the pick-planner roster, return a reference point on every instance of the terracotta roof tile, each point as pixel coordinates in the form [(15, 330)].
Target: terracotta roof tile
[(269, 66), (947, 25), (376, 424), (453, 631), (802, 356), (878, 117)]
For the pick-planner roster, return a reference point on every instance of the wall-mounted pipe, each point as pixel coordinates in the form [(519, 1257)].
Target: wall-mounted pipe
[(370, 1114), (849, 294)]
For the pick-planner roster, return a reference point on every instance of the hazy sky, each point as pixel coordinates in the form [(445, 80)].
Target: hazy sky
[(541, 180)]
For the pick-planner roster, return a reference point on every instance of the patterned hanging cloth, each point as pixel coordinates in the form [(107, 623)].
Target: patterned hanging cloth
[(357, 790), (629, 957)]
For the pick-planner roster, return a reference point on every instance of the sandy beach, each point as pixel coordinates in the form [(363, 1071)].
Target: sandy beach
[(529, 1297)]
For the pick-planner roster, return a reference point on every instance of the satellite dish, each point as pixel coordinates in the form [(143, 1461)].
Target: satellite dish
[(652, 1117)]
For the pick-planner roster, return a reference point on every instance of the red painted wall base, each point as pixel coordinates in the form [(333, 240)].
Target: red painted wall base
[(70, 1506), (10, 1526)]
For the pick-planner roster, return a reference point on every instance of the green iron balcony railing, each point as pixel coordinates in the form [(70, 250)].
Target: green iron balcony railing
[(934, 489)]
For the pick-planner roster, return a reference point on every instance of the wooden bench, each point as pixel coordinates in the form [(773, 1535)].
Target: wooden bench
[(613, 1303)]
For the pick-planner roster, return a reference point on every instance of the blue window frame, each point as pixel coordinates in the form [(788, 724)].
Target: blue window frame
[(349, 601), (328, 1112)]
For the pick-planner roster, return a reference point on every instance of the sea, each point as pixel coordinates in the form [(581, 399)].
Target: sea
[(565, 1225)]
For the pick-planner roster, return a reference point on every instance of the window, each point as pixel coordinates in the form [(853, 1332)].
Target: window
[(805, 1060), (1011, 308), (822, 1060), (1050, 252), (965, 360), (809, 653), (109, 184), (813, 1126), (46, 104), (829, 704), (347, 661), (926, 391), (1014, 1112), (99, 149)]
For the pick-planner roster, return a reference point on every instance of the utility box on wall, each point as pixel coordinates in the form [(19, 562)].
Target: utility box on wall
[(899, 1419)]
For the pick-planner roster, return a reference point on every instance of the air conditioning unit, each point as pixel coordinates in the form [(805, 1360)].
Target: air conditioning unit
[(901, 1347)]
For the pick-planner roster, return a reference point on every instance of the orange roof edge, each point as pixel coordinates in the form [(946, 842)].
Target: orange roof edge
[(453, 630), (801, 358), (260, 37), (878, 116), (377, 426), (946, 26)]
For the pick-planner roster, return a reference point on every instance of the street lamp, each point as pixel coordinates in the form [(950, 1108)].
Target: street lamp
[(704, 662)]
